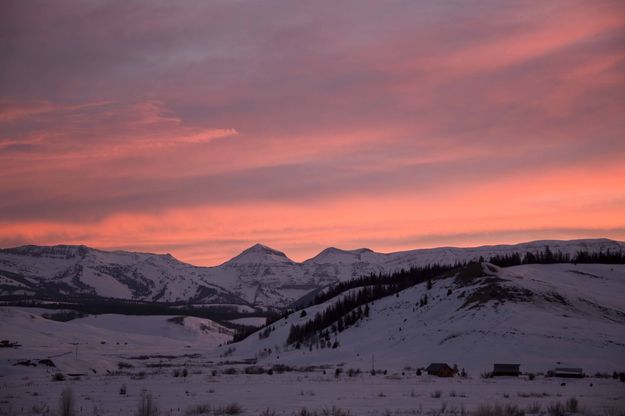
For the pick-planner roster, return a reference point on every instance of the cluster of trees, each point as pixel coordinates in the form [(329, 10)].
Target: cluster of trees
[(266, 332), (400, 280), (348, 309), (609, 257), (342, 314), (547, 256)]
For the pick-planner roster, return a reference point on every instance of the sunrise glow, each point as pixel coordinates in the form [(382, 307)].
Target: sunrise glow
[(202, 130)]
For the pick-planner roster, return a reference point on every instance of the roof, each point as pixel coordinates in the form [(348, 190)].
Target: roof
[(568, 370), (438, 367), (508, 367)]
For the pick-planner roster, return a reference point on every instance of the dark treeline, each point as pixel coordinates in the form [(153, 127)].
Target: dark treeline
[(400, 280), (348, 309), (272, 317), (600, 258), (547, 256), (98, 306)]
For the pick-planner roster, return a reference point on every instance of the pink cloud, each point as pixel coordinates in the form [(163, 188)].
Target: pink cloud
[(199, 127), (107, 129)]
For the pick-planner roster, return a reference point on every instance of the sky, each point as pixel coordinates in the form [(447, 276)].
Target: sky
[(199, 128)]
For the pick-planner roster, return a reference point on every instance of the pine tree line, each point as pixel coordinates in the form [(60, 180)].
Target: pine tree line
[(402, 279), (547, 256), (342, 314)]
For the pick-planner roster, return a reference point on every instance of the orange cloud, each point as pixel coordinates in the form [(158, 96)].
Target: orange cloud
[(427, 124), (568, 203)]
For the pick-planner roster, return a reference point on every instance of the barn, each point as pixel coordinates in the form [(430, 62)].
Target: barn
[(506, 370), (440, 370)]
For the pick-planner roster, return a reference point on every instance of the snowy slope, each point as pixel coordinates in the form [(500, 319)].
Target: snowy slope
[(79, 270), (540, 316), (98, 337), (259, 276)]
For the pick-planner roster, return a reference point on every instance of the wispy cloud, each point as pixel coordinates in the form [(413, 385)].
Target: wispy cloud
[(107, 129)]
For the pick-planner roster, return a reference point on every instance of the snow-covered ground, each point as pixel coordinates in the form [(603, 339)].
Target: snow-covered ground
[(288, 393), (539, 316), (94, 344)]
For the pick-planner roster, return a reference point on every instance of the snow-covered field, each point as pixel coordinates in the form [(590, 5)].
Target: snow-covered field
[(95, 344), (34, 392)]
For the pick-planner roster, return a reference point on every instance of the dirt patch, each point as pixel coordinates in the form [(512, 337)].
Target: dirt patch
[(177, 320), (471, 271), (494, 291), (474, 272)]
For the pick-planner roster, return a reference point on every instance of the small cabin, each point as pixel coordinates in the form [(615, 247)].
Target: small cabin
[(568, 372), (507, 370), (440, 370)]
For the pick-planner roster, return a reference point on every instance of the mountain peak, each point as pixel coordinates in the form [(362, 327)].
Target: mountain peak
[(258, 247), (333, 254), (260, 253), (331, 250)]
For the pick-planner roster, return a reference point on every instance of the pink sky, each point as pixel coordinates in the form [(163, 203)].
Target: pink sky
[(200, 128)]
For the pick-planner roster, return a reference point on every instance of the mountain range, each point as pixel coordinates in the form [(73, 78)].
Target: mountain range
[(259, 277)]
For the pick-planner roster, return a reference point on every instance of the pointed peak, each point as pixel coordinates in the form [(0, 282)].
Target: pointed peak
[(260, 253), (261, 247)]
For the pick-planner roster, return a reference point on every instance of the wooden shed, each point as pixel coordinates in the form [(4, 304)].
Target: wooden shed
[(506, 370), (440, 370)]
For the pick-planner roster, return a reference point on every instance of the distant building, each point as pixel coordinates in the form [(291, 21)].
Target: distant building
[(568, 372), (506, 370), (440, 370)]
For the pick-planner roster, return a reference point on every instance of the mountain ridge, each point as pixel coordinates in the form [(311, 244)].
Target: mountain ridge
[(261, 246), (259, 276)]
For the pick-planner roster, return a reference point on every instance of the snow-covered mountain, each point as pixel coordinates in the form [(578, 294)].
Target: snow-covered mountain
[(267, 277), (80, 270), (259, 276), (541, 316)]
